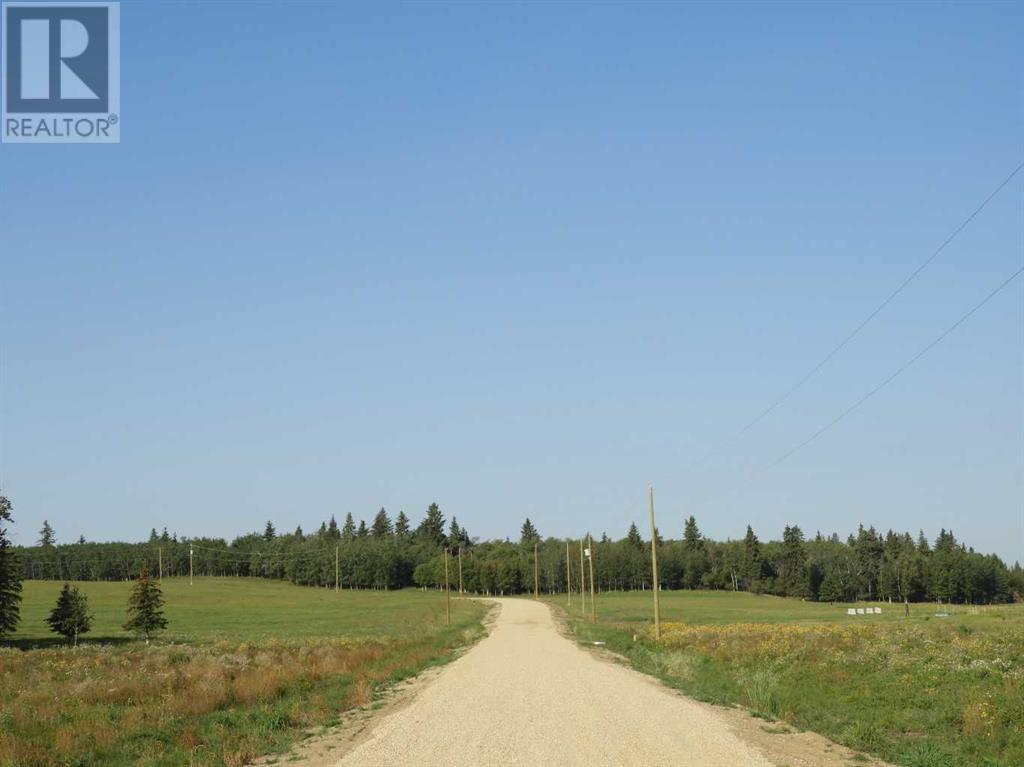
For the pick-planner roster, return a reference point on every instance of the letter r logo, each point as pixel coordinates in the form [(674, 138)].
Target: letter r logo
[(56, 58)]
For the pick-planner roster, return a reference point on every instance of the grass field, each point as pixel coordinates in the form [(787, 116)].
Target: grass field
[(923, 691), (246, 667)]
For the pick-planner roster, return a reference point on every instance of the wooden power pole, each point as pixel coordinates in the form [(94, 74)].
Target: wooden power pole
[(583, 581), (568, 575), (593, 611), (337, 573), (654, 564), (461, 593), (447, 593), (160, 559), (536, 573), (189, 565)]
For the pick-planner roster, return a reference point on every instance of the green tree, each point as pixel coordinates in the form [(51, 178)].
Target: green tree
[(528, 533), (753, 564), (402, 525), (145, 607), (70, 617), (10, 575), (691, 535), (381, 527), (47, 538), (431, 529), (633, 537), (362, 531), (832, 589), (348, 530), (794, 563), (269, 533)]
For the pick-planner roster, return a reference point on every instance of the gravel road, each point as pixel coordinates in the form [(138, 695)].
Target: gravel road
[(526, 695)]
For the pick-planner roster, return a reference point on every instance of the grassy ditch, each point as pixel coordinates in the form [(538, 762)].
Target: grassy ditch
[(922, 691), (218, 691)]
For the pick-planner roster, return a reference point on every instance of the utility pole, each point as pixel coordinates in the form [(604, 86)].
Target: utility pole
[(654, 564), (190, 565), (568, 575), (160, 559), (536, 573), (447, 593), (593, 612), (461, 593), (583, 581), (337, 574)]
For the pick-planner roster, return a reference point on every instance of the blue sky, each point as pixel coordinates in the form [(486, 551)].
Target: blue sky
[(523, 260)]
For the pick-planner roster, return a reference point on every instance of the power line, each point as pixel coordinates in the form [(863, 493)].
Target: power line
[(856, 331), (895, 374)]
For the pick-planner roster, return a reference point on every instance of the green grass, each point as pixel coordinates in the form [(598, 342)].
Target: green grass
[(246, 667), (726, 607), (922, 691), (246, 609)]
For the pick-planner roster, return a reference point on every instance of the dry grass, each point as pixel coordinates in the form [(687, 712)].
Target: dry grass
[(205, 705)]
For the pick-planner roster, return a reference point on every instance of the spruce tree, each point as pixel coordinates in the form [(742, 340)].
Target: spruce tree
[(381, 524), (269, 533), (431, 529), (402, 525), (633, 537), (528, 533), (753, 565), (47, 538), (348, 530), (362, 531), (332, 528), (145, 613), (70, 617), (10, 575), (692, 536)]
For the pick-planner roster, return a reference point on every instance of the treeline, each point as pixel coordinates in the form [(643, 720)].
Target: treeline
[(389, 554)]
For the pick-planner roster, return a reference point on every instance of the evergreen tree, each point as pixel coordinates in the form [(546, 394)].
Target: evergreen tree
[(633, 537), (164, 537), (691, 535), (269, 533), (753, 565), (402, 525), (70, 617), (363, 530), (145, 613), (831, 589), (153, 537), (348, 530), (299, 534), (381, 524), (794, 563), (47, 538), (10, 575), (528, 533), (431, 529), (81, 540), (322, 532)]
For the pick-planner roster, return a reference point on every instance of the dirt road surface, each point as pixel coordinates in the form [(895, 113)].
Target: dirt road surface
[(526, 695)]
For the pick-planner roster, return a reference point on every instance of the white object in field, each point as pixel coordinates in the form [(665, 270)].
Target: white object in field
[(599, 644), (860, 611), (586, 552), (851, 610), (878, 611)]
